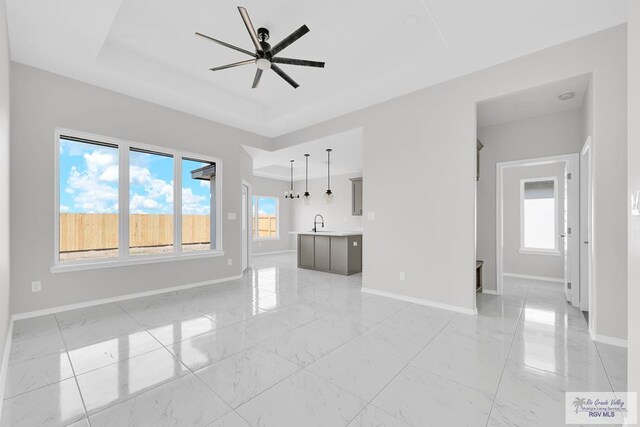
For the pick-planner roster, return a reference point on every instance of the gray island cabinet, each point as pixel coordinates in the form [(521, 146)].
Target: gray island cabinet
[(333, 252)]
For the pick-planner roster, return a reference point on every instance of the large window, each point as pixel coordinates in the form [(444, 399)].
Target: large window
[(539, 215), (88, 208), (265, 217), (121, 201)]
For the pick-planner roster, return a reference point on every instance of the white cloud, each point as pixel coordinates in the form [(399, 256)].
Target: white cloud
[(110, 174), (193, 204), (92, 195), (138, 202), (64, 208), (69, 190), (139, 175), (99, 161)]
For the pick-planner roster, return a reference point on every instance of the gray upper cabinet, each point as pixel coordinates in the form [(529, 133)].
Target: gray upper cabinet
[(356, 196)]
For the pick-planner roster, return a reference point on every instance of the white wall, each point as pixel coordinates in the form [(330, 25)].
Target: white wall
[(419, 158), (275, 188), (42, 101), (337, 215), (542, 136), (634, 185), (544, 265), (4, 183)]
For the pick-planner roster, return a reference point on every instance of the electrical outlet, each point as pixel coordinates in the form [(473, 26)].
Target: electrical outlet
[(36, 286), (231, 216), (371, 216), (259, 244), (403, 276), (229, 261)]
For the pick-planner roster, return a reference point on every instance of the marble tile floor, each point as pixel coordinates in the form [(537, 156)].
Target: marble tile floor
[(288, 347)]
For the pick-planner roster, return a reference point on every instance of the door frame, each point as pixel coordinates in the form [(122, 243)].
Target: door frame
[(587, 150), (249, 222), (572, 162)]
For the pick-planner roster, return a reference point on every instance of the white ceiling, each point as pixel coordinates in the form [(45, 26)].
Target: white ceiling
[(533, 102), (346, 157), (374, 49)]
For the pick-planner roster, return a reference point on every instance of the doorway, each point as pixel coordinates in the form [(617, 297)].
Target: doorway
[(537, 212), (246, 225)]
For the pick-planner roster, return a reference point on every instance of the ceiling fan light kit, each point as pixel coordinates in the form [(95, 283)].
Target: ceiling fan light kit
[(265, 56)]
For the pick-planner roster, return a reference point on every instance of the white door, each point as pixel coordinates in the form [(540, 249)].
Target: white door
[(571, 231), (245, 227), (585, 223)]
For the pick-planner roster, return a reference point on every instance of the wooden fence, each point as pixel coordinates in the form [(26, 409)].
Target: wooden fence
[(83, 232), (266, 226)]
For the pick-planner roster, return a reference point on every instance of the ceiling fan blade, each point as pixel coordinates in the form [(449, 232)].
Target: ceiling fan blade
[(235, 64), (230, 46), (256, 80), (252, 31), (302, 62), (289, 39), (284, 75)]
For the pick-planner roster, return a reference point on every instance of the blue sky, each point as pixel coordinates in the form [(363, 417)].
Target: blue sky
[(89, 182), (266, 205)]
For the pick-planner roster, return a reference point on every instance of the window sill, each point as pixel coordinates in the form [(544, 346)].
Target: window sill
[(263, 239), (540, 252), (64, 268)]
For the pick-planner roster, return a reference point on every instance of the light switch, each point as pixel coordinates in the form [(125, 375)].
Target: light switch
[(371, 216), (36, 286), (635, 203), (231, 216)]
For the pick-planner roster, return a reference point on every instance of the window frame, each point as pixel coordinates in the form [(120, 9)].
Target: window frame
[(277, 236), (124, 257), (555, 251)]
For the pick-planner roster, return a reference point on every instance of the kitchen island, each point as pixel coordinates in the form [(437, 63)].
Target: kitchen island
[(337, 252)]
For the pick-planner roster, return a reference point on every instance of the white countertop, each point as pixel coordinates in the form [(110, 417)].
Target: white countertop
[(329, 233)]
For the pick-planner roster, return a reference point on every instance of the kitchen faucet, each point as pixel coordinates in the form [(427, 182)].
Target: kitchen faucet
[(315, 222)]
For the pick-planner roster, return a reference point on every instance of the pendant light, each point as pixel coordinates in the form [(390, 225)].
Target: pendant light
[(307, 196), (290, 194), (328, 195)]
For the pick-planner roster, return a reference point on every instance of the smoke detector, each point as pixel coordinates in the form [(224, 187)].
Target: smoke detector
[(566, 96)]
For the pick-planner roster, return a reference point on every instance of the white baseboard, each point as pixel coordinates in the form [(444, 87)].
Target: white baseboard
[(59, 309), (618, 342), (5, 363), (527, 276), (273, 253), (489, 291), (420, 301)]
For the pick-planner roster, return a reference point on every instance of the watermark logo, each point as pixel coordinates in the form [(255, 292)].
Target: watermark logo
[(601, 408)]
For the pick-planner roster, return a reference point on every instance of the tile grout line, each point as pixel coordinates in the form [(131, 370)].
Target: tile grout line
[(75, 377), (506, 361), (400, 371)]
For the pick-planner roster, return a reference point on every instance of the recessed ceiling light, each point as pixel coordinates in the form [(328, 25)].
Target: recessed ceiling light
[(566, 96)]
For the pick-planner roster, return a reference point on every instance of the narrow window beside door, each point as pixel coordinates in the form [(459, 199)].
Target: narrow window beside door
[(265, 217)]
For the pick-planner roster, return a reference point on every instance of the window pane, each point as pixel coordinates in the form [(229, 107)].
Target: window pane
[(197, 178), (88, 200), (539, 215), (150, 203), (265, 217)]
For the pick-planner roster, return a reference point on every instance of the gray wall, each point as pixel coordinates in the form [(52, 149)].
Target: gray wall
[(419, 158), (337, 215), (275, 188), (634, 185), (4, 180), (42, 101), (543, 136), (515, 262)]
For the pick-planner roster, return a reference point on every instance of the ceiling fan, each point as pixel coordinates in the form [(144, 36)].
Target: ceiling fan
[(265, 56)]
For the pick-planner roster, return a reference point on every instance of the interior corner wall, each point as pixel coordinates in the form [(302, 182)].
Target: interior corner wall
[(4, 182), (419, 158), (337, 215), (542, 136), (634, 186), (42, 101), (276, 188)]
